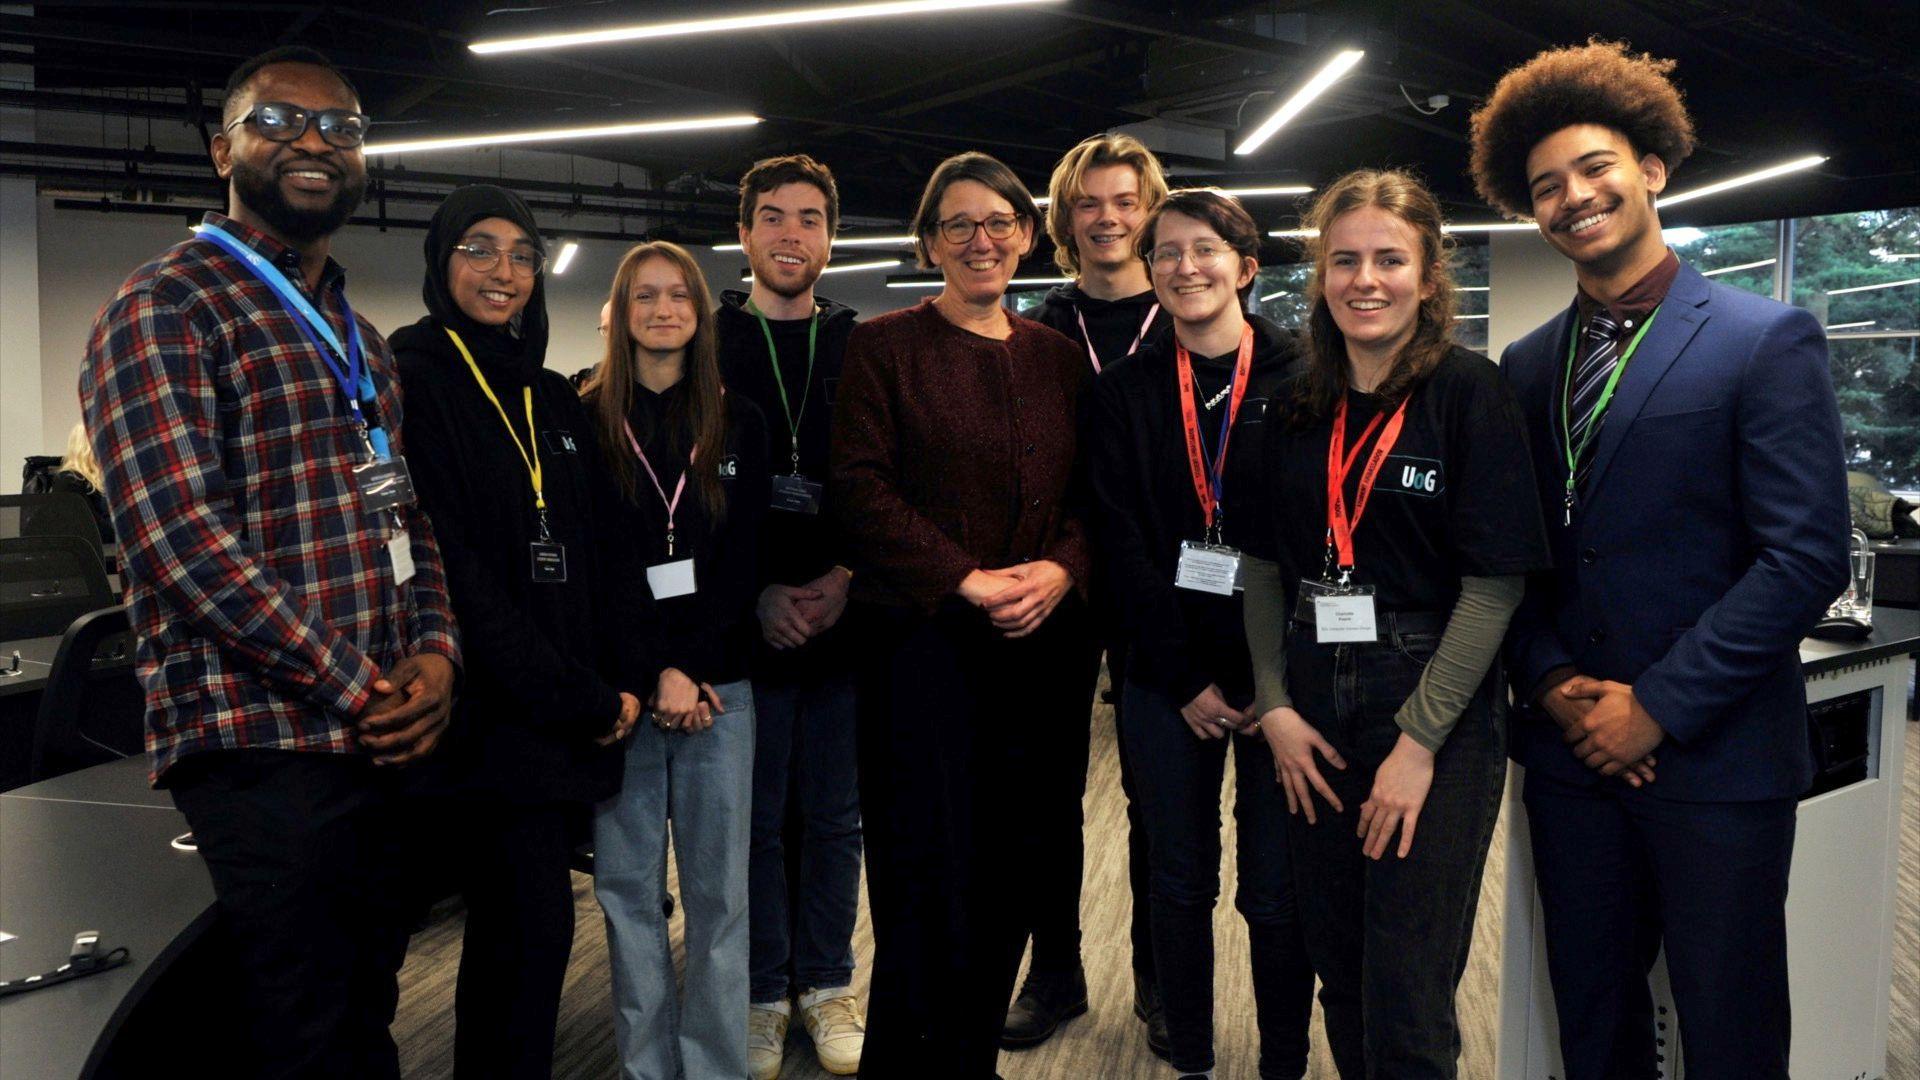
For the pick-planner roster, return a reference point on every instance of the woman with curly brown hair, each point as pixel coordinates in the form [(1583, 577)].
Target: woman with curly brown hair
[(1402, 505), (1688, 451)]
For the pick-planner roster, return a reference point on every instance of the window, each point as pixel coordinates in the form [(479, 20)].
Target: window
[(1744, 256)]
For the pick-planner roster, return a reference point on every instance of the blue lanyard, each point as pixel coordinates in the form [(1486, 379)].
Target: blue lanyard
[(347, 364)]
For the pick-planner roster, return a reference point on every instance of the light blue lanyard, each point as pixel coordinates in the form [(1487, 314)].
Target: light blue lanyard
[(346, 364)]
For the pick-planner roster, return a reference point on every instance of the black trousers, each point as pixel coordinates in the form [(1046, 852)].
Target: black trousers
[(1053, 812), (1620, 871), (952, 719), (307, 856), (509, 862), (1139, 869)]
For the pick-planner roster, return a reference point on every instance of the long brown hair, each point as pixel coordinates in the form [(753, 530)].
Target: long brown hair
[(696, 418), (1403, 196)]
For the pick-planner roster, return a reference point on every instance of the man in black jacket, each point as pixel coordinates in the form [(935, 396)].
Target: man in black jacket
[(782, 346), (1100, 195)]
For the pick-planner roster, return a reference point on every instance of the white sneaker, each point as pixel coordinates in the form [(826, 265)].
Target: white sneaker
[(837, 1026), (767, 1039)]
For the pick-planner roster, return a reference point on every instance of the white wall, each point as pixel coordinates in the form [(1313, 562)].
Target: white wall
[(85, 255), (1528, 283), (21, 428)]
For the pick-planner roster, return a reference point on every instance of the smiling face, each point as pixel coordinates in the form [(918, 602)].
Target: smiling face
[(977, 271), (789, 244), (494, 296), (1593, 197), (304, 189), (1373, 279), (1193, 294), (1107, 216), (661, 314)]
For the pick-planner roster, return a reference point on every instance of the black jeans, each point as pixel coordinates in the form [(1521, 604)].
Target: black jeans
[(1177, 776), (950, 718), (1389, 939), (1052, 809), (306, 852)]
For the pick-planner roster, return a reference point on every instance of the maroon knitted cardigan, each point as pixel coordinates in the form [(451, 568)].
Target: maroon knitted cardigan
[(953, 452)]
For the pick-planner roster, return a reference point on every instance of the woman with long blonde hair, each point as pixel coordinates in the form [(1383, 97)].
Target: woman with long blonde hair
[(691, 463)]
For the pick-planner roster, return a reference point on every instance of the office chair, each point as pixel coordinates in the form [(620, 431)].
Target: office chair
[(46, 582), (90, 711)]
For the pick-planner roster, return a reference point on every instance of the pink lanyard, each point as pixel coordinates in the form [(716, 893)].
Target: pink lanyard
[(1137, 338), (679, 489)]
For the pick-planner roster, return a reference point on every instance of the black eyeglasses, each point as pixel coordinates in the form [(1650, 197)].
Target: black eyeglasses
[(277, 121), (483, 258), (960, 230)]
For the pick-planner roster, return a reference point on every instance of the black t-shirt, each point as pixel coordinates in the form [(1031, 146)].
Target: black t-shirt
[(1113, 326), (1454, 498)]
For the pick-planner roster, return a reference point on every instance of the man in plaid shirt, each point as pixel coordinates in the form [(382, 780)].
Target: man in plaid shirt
[(295, 638)]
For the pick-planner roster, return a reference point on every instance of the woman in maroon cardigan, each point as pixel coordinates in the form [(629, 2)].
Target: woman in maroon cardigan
[(954, 479)]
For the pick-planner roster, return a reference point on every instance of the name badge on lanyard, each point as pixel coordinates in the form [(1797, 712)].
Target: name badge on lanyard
[(675, 576), (546, 557), (1343, 611), (1210, 566), (793, 492)]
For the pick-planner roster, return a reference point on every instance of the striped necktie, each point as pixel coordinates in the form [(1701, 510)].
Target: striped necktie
[(1589, 382)]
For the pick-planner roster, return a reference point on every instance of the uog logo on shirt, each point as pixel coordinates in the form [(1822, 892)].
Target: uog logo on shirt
[(1413, 475), (729, 467)]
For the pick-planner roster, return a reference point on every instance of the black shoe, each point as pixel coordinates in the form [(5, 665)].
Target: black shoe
[(1046, 1001), (1146, 1006)]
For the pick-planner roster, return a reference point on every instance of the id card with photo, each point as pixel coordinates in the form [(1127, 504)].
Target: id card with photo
[(670, 579), (1209, 568)]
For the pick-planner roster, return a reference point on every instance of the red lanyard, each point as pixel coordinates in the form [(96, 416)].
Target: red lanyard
[(1137, 338), (679, 489), (1339, 527), (1208, 478)]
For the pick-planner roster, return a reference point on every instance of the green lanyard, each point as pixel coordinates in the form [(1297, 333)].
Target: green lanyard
[(780, 384), (1574, 453)]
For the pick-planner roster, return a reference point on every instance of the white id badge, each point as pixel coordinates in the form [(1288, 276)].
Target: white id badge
[(1345, 616), (400, 550), (670, 579), (1208, 568)]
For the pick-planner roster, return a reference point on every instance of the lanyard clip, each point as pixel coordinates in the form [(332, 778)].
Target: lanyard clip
[(669, 543), (546, 534)]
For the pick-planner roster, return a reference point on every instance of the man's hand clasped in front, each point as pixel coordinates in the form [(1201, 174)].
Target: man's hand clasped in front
[(407, 714), (1617, 740)]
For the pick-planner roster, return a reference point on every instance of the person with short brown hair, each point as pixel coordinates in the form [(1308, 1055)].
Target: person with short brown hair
[(1687, 445)]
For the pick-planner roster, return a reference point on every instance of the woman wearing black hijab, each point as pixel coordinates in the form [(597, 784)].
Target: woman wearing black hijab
[(554, 614)]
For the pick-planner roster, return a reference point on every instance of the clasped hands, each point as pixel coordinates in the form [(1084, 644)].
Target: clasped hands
[(680, 704), (792, 614), (1018, 598), (1605, 724), (403, 721)]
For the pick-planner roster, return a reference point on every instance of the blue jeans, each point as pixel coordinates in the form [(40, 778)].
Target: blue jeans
[(703, 784), (1389, 939), (802, 930), (1177, 777)]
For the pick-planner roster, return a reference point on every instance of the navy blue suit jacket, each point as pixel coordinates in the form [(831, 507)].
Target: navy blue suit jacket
[(1710, 537)]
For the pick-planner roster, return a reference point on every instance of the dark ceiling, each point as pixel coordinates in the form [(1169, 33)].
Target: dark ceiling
[(882, 101)]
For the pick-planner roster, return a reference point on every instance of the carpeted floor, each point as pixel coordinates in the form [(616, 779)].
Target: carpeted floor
[(1108, 1042)]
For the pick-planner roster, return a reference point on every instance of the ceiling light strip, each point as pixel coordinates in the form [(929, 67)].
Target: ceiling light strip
[(728, 24), (1737, 268), (1743, 180), (597, 131), (844, 241), (1869, 288), (1329, 74)]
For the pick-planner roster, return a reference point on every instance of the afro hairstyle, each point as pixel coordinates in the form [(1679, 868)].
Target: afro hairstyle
[(1602, 83)]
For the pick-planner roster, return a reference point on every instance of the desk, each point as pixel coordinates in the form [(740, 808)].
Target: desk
[(90, 851), (1840, 895), (36, 663)]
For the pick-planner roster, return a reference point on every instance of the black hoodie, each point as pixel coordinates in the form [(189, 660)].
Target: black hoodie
[(1181, 640), (1113, 325), (544, 660), (797, 548)]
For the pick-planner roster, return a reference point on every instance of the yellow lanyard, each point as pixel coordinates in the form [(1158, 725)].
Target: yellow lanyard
[(532, 460)]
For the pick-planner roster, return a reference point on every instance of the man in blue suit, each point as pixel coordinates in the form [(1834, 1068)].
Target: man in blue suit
[(1688, 450)]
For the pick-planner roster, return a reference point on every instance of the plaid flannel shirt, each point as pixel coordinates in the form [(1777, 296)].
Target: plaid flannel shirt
[(261, 589)]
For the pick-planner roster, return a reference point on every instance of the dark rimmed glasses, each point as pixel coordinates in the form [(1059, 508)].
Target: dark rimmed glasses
[(277, 121), (960, 230)]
